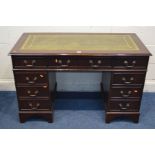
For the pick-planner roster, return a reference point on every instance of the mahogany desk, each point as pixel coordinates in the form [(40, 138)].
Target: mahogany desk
[(122, 58)]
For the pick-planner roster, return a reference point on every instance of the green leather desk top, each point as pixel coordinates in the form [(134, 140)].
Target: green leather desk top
[(78, 43), (49, 42)]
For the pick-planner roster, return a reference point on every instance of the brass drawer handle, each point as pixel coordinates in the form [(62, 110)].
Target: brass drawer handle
[(33, 95), (95, 65), (61, 63), (31, 82), (68, 61), (64, 65), (91, 61), (126, 95), (126, 63), (56, 60), (29, 65), (124, 107), (99, 61), (127, 82), (34, 107)]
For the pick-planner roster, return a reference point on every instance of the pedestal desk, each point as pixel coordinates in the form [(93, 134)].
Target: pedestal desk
[(122, 59)]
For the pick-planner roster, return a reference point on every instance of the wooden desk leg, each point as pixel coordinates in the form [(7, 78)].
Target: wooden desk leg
[(110, 116), (23, 116)]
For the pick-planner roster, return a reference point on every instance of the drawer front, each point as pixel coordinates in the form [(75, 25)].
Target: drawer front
[(80, 62), (126, 92), (130, 62), (31, 78), (62, 62), (33, 92), (124, 78), (30, 62), (35, 105), (121, 105), (95, 62)]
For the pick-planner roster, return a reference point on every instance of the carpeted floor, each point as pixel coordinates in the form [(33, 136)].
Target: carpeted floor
[(75, 111)]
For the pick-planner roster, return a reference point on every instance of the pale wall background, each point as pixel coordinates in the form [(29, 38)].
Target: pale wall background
[(72, 81)]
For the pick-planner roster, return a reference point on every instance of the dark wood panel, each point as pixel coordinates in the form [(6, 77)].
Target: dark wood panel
[(121, 92), (29, 62), (130, 62), (25, 115), (33, 92), (79, 62), (124, 105), (31, 78), (110, 116), (35, 105), (128, 78)]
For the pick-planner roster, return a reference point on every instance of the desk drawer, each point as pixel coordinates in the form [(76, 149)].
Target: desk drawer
[(125, 78), (95, 62), (122, 105), (30, 62), (33, 92), (80, 62), (126, 92), (31, 78), (130, 62), (63, 61), (35, 105)]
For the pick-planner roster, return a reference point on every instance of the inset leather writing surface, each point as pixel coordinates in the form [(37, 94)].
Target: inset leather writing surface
[(104, 42), (101, 44)]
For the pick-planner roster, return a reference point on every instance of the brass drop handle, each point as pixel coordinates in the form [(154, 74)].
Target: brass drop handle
[(34, 107), (95, 65), (124, 107), (63, 65), (99, 61), (56, 61), (42, 76), (91, 61), (126, 63), (60, 61), (127, 82), (33, 95), (31, 82), (126, 95), (29, 65), (67, 63)]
